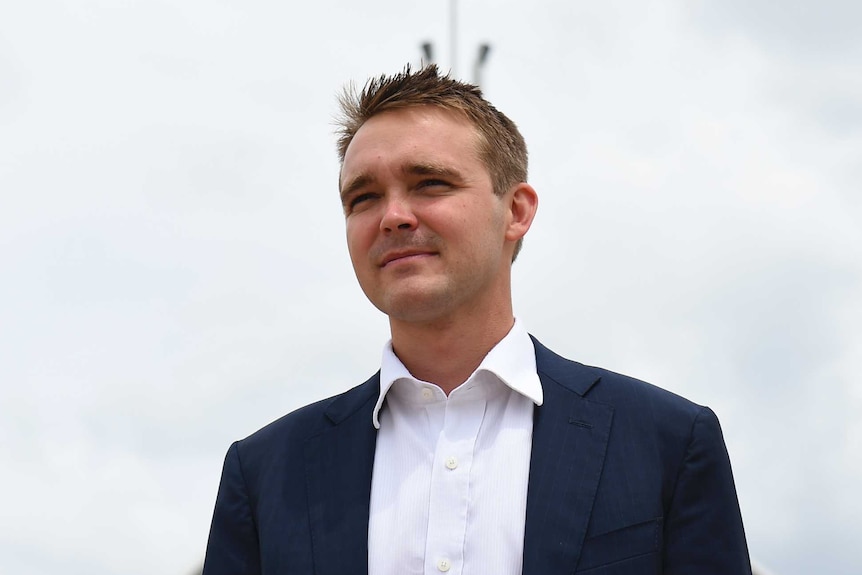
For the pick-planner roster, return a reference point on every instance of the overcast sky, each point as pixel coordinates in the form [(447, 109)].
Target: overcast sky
[(174, 274)]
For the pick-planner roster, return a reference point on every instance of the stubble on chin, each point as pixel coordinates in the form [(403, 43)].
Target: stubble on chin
[(415, 299)]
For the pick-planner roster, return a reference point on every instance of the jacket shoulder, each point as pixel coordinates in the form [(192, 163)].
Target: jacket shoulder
[(622, 392), (308, 421)]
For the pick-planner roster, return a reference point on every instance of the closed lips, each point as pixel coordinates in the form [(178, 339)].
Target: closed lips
[(401, 255)]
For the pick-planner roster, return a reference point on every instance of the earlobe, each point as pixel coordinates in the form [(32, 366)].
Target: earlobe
[(522, 209)]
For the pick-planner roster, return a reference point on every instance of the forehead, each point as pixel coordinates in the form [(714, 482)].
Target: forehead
[(419, 133)]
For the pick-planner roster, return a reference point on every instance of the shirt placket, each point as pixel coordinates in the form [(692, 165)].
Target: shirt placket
[(450, 486)]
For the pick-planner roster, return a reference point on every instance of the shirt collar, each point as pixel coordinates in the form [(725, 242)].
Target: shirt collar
[(512, 360)]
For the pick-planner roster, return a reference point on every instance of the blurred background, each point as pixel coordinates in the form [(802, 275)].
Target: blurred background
[(174, 274)]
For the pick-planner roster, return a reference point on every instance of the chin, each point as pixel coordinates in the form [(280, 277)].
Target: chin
[(414, 305)]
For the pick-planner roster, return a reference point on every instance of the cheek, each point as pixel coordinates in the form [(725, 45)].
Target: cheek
[(360, 241), (357, 237)]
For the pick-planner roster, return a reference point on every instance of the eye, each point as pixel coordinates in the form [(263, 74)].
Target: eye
[(358, 199), (432, 183)]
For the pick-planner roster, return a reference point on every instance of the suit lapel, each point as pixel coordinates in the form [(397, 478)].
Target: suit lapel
[(570, 437), (338, 465)]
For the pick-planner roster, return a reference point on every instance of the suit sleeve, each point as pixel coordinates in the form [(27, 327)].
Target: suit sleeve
[(703, 526), (233, 547)]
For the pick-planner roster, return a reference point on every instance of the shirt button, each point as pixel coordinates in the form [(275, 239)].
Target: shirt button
[(451, 463), (427, 393), (443, 565)]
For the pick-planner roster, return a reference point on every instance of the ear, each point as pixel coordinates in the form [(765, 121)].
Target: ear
[(523, 203)]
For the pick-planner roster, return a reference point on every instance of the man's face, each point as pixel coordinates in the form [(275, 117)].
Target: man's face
[(426, 233)]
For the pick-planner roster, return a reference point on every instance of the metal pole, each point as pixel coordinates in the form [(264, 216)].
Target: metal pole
[(453, 37), (428, 53), (481, 58)]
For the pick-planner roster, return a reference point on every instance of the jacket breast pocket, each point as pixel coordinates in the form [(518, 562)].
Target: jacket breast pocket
[(634, 547)]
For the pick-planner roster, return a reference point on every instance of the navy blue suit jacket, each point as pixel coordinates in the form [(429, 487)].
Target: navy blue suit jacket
[(625, 478)]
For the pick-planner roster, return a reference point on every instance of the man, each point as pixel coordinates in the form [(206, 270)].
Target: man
[(474, 450)]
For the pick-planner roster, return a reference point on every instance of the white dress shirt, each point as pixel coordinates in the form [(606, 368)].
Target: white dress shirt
[(449, 486)]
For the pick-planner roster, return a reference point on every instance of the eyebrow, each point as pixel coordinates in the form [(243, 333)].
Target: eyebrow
[(431, 170)]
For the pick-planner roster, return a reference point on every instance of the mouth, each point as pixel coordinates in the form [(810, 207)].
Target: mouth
[(404, 257)]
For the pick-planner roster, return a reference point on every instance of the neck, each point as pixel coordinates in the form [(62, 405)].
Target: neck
[(447, 352)]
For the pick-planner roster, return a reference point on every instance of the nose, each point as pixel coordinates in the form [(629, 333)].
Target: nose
[(398, 215)]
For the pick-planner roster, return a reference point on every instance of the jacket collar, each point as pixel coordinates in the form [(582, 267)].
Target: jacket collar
[(570, 438), (338, 465)]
